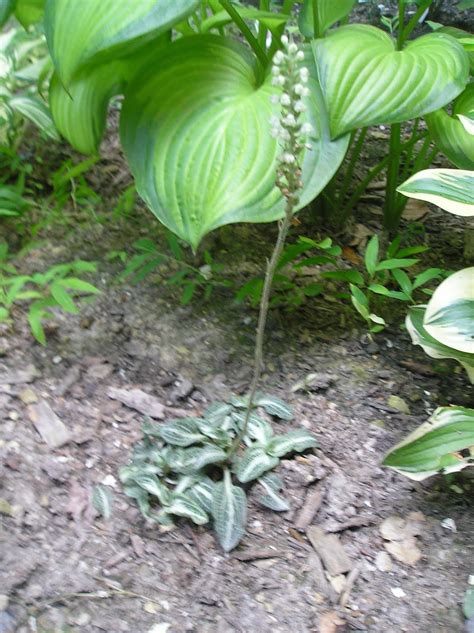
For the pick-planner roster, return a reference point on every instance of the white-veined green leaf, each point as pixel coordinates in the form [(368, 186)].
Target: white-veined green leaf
[(449, 133), (102, 499), (254, 462), (153, 486), (272, 485), (449, 316), (181, 432), (196, 130), (229, 509), (257, 428), (193, 459), (366, 81), (181, 505), (433, 347), (91, 32), (202, 493), (35, 111), (329, 12), (443, 444), (294, 441), (450, 189), (274, 406)]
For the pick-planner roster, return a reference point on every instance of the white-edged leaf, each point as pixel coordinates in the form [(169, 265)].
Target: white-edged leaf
[(181, 432), (366, 81), (433, 347), (272, 485), (181, 505), (274, 406), (443, 444), (229, 509), (449, 316), (254, 462), (450, 189), (294, 441)]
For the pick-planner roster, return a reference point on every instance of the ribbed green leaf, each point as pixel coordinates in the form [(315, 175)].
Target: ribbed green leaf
[(274, 406), (192, 460), (435, 446), (450, 189), (202, 493), (229, 510), (329, 12), (449, 317), (29, 12), (181, 505), (463, 37), (181, 432), (449, 133), (6, 8), (91, 32), (195, 128), (153, 486), (254, 462), (367, 82), (35, 111), (433, 347), (298, 441), (272, 485)]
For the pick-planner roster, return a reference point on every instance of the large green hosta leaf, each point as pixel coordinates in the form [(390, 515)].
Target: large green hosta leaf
[(81, 32), (367, 82), (195, 128), (29, 12), (329, 12), (449, 133)]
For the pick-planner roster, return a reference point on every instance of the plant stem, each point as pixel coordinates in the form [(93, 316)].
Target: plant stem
[(262, 319), (415, 19), (390, 212), (375, 171), (401, 19), (262, 31), (246, 32), (355, 154), (316, 24)]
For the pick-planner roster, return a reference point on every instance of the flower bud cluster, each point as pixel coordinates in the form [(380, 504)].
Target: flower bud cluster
[(291, 78)]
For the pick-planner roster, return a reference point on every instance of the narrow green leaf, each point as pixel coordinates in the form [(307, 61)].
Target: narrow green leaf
[(371, 255), (35, 111), (390, 264), (229, 510), (63, 298), (329, 12)]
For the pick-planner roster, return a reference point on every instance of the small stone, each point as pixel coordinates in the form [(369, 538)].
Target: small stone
[(6, 508), (14, 415), (48, 425), (28, 396), (83, 619), (383, 562), (163, 627), (398, 592), (57, 360), (34, 591), (109, 480), (449, 524), (150, 607), (4, 601), (395, 402)]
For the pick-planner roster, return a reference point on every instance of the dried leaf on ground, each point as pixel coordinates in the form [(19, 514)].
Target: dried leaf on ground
[(331, 622), (138, 400), (415, 210), (399, 535), (329, 548), (49, 426)]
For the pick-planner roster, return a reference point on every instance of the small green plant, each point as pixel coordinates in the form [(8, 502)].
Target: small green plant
[(186, 468), (59, 287), (190, 279)]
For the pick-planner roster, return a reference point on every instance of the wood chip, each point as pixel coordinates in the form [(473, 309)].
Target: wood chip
[(138, 400), (329, 548), (258, 554), (48, 425), (311, 506), (331, 623)]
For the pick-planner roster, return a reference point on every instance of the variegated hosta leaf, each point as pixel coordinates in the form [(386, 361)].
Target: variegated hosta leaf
[(443, 444), (153, 486), (35, 111), (449, 132), (181, 505), (274, 406), (329, 12), (450, 189), (272, 485), (28, 12), (294, 441), (253, 463), (229, 509), (449, 316), (433, 347), (366, 81), (194, 459), (91, 32), (196, 130), (217, 412), (181, 432), (102, 499), (202, 493)]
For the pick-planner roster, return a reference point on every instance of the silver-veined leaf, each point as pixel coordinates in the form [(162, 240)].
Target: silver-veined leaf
[(450, 189), (294, 441), (443, 444), (254, 462), (193, 459), (181, 505), (449, 132), (329, 12), (196, 130), (202, 493), (257, 428), (91, 32), (153, 486), (35, 111), (229, 509), (181, 432), (102, 499), (366, 81), (433, 347), (272, 485), (449, 316), (274, 406)]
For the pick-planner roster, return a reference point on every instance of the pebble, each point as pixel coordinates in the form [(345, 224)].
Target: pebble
[(28, 396), (4, 601)]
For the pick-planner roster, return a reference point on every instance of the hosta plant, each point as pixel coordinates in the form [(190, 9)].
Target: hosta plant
[(188, 468)]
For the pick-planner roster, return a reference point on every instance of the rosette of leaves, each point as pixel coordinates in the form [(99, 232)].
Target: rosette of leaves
[(186, 468)]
